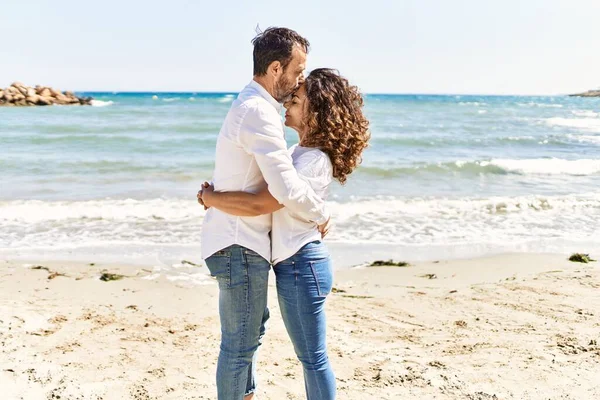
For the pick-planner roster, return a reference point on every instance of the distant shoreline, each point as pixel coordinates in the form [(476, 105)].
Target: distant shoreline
[(589, 93), (211, 93)]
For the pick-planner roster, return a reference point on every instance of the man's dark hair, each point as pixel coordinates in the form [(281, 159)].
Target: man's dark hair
[(275, 44)]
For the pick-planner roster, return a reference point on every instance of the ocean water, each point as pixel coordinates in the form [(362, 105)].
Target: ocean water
[(451, 176)]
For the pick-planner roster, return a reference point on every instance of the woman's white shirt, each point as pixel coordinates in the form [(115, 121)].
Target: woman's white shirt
[(290, 232)]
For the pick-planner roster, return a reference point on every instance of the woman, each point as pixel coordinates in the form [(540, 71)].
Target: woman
[(327, 114)]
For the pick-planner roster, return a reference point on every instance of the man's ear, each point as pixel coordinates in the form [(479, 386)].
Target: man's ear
[(275, 68)]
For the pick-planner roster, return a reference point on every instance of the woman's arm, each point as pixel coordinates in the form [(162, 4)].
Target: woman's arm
[(241, 204)]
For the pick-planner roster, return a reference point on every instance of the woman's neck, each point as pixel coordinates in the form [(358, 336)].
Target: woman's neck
[(302, 136)]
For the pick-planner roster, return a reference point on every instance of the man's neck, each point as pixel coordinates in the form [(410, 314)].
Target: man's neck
[(266, 83)]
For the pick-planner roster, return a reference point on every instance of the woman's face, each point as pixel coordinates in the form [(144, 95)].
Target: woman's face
[(295, 114)]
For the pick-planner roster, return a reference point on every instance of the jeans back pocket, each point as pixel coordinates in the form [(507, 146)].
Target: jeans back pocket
[(219, 265), (323, 275)]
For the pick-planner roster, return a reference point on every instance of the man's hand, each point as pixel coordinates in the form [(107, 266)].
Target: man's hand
[(324, 228), (207, 195), (201, 201)]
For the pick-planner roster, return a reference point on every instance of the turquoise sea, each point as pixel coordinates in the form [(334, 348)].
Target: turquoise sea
[(451, 176)]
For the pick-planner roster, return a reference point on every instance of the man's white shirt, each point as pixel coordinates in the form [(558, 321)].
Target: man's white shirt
[(251, 149)]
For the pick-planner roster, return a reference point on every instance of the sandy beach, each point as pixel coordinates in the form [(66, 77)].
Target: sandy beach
[(504, 327)]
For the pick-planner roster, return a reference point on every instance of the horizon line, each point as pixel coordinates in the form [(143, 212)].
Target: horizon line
[(364, 93)]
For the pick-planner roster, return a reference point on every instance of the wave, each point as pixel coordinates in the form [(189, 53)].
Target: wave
[(123, 127), (472, 103), (149, 141), (133, 167), (173, 222), (35, 211), (586, 113), (173, 210), (589, 124), (540, 105), (446, 167), (540, 166), (412, 141), (521, 138), (544, 166), (585, 138), (464, 220), (100, 103)]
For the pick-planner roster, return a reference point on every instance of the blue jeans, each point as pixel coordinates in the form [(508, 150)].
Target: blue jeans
[(303, 283), (243, 276)]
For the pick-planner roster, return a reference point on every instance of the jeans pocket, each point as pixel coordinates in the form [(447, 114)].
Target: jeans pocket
[(255, 260), (219, 265), (323, 275)]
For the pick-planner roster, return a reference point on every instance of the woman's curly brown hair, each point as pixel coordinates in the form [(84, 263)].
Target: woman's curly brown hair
[(335, 120)]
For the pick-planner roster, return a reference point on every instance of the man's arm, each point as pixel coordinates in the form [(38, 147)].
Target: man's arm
[(244, 204), (241, 204), (262, 136)]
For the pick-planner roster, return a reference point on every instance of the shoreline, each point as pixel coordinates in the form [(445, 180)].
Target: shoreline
[(506, 326), (345, 255)]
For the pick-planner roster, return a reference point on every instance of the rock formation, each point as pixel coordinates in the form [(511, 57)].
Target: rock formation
[(20, 95), (589, 93)]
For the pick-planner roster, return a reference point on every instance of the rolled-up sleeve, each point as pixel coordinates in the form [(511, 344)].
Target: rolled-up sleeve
[(262, 136)]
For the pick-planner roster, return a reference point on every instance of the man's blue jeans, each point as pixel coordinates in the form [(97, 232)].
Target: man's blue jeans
[(243, 278)]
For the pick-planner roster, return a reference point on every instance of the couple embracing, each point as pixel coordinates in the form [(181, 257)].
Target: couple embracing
[(266, 207)]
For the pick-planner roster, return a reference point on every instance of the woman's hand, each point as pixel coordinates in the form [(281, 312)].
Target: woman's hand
[(324, 229)]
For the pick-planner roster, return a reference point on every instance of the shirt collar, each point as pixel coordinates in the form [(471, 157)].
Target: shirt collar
[(266, 95)]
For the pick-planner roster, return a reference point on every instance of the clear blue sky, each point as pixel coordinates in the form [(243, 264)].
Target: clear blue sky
[(401, 46)]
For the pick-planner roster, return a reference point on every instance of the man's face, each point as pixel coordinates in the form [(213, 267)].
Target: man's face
[(292, 76)]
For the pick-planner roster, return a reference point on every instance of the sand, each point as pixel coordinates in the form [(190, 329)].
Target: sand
[(504, 327)]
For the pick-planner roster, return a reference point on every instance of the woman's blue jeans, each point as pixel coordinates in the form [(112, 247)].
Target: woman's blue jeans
[(303, 283)]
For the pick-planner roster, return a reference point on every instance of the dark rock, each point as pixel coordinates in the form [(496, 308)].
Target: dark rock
[(389, 263), (111, 277), (582, 258), (190, 263), (85, 101)]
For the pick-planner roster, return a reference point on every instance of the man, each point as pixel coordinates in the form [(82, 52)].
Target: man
[(251, 151)]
